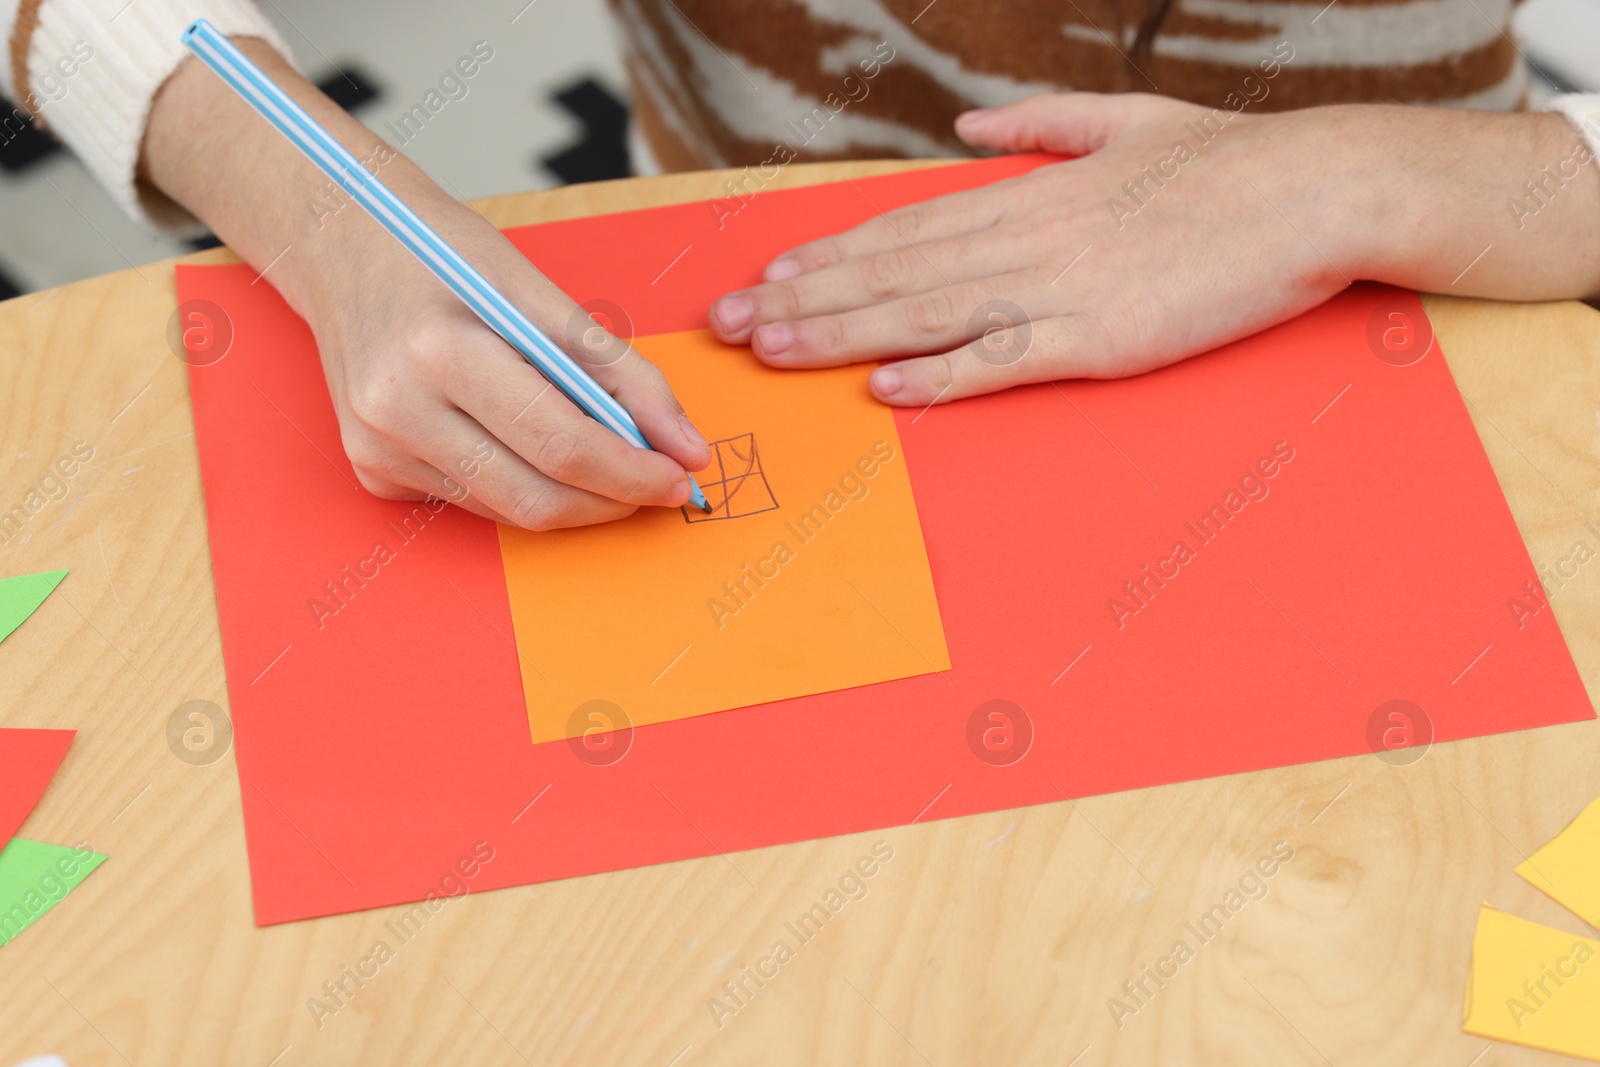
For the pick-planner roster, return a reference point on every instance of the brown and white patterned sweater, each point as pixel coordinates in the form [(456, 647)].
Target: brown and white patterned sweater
[(744, 82), (725, 82)]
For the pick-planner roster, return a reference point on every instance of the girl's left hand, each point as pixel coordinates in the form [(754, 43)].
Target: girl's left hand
[(1156, 244)]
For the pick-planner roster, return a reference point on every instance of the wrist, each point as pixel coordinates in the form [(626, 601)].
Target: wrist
[(208, 150), (1443, 200), (344, 260), (1349, 211)]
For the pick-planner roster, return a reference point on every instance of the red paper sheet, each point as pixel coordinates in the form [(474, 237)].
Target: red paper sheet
[(376, 753), (28, 760)]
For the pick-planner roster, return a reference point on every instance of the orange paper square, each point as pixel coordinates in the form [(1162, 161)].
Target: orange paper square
[(809, 576)]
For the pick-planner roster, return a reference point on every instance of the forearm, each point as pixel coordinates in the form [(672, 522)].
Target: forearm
[(208, 150), (1441, 201)]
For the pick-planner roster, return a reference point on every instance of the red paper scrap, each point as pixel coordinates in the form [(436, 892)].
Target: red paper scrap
[(28, 760)]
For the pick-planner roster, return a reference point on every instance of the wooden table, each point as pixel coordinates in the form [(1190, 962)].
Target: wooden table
[(992, 939)]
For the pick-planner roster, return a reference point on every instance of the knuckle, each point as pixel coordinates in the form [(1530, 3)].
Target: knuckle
[(779, 302), (1089, 338), (430, 345), (818, 254), (535, 509), (377, 402), (640, 487), (647, 373), (559, 454), (888, 274), (1084, 341), (826, 333), (931, 313), (368, 456), (374, 481), (649, 382), (1057, 229), (910, 222), (370, 482)]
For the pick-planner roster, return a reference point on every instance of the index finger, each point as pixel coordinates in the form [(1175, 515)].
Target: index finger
[(517, 404)]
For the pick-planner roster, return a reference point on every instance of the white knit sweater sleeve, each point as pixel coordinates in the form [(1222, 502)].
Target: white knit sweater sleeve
[(93, 69), (1583, 111)]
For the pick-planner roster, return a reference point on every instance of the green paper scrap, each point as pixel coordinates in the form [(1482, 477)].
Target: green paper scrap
[(35, 877), (21, 597)]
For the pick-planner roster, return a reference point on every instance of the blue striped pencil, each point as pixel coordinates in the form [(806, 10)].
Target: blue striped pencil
[(448, 265)]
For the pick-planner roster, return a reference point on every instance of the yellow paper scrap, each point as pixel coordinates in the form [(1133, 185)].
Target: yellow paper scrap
[(1568, 868), (1534, 986)]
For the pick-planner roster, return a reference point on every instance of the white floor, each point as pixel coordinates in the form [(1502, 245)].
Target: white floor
[(57, 225), (1562, 37)]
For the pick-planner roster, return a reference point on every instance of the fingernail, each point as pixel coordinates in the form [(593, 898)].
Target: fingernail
[(775, 339), (976, 115), (695, 438), (782, 270), (679, 496), (733, 313), (886, 382)]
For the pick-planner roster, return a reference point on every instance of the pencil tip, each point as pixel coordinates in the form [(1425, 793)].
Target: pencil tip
[(697, 496)]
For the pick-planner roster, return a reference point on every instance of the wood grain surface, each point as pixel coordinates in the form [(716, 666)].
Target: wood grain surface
[(993, 939)]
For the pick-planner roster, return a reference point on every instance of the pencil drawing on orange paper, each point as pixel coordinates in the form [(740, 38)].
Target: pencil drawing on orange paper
[(734, 484)]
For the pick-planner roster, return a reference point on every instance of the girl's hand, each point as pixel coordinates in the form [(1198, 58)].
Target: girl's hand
[(431, 402), (1176, 229)]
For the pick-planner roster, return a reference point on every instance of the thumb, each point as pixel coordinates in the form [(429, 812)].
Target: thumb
[(1069, 124)]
